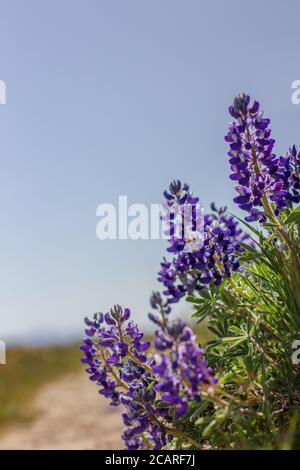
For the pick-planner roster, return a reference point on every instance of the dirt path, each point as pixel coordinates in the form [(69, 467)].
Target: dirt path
[(71, 415)]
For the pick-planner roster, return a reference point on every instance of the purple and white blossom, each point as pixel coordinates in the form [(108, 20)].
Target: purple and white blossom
[(217, 257), (259, 173), (149, 388)]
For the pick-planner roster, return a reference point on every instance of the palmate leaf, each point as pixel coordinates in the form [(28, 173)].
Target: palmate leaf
[(205, 301)]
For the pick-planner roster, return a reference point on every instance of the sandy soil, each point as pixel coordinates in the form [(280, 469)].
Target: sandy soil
[(70, 415)]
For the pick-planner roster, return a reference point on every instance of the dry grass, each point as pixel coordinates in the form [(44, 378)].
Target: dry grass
[(26, 370)]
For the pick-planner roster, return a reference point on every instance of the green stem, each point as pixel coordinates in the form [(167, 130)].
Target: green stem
[(137, 361), (111, 370), (179, 434)]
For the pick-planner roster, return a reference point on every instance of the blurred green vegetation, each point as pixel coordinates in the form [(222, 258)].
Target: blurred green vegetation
[(25, 371)]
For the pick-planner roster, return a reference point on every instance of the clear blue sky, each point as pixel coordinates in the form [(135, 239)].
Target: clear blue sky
[(120, 97)]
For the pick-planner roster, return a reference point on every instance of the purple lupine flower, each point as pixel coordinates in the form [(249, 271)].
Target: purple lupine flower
[(117, 361), (183, 218), (140, 416), (215, 259), (258, 172), (107, 344), (181, 367), (158, 303), (289, 167)]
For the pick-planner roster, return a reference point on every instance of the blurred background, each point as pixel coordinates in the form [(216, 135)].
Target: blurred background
[(109, 98)]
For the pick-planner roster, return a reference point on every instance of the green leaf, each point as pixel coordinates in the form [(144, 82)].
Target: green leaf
[(294, 217), (237, 330), (233, 339)]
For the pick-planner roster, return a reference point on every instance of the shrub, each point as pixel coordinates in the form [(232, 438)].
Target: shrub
[(243, 390)]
